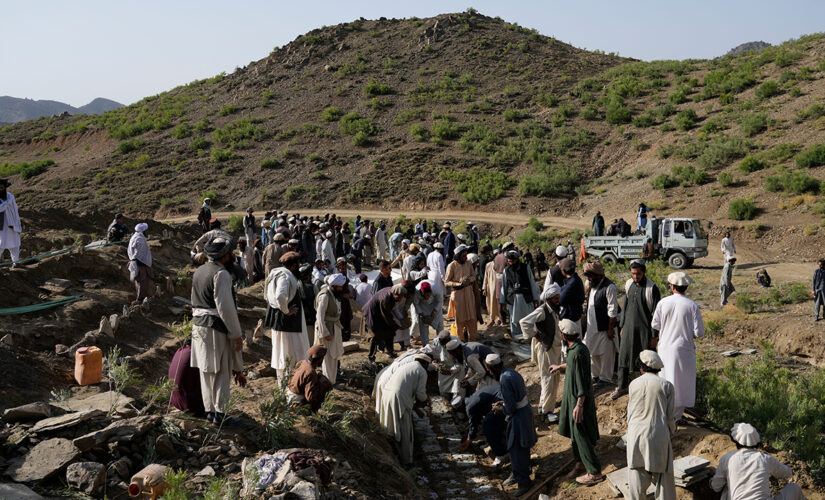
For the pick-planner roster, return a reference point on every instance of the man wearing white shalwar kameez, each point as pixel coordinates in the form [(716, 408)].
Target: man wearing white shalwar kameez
[(679, 322), (216, 332), (542, 325), (10, 226), (602, 316), (386, 373), (328, 248), (328, 324), (426, 311), (519, 293), (285, 318), (650, 425), (450, 373), (728, 247), (140, 262), (406, 389), (383, 244), (745, 474)]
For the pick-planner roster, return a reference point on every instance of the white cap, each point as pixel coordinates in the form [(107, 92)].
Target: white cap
[(444, 334), (651, 359), (460, 248), (745, 434), (457, 402), (679, 278), (141, 227), (492, 359), (336, 279), (453, 344), (570, 327), (561, 252), (329, 234), (422, 357), (550, 291), (472, 257), (439, 245)]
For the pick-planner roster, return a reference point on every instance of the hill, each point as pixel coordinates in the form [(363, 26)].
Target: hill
[(747, 46), (15, 109), (458, 111)]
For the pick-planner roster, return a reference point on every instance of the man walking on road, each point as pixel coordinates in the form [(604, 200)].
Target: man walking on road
[(819, 288), (728, 247), (726, 282)]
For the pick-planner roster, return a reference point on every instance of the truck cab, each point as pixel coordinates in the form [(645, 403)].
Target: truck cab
[(679, 240)]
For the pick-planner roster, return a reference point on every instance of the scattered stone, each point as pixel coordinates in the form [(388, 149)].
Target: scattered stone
[(122, 431), (206, 471), (305, 491), (165, 447), (92, 283), (122, 468), (87, 477), (103, 401), (57, 285), (210, 451), (105, 327), (64, 421), (350, 346), (181, 301), (46, 459), (31, 411), (114, 320), (125, 313), (7, 339), (61, 349), (18, 492)]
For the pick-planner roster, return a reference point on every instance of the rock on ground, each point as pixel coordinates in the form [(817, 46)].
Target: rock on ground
[(30, 411), (87, 477), (46, 459), (18, 492)]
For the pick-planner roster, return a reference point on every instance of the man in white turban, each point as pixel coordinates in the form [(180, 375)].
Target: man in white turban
[(542, 326), (140, 262), (328, 323), (746, 473)]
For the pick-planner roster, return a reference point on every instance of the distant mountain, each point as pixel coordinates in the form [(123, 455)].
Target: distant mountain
[(14, 109), (747, 46)]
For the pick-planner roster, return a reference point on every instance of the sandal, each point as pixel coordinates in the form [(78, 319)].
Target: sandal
[(578, 469), (590, 480)]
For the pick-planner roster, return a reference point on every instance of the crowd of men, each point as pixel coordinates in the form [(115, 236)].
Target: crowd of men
[(314, 276)]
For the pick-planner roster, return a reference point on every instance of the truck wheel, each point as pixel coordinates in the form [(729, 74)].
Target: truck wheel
[(677, 261), (609, 258)]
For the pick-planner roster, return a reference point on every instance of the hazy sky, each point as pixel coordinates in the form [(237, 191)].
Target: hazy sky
[(76, 50)]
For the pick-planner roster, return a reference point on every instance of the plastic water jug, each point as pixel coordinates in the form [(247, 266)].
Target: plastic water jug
[(149, 483), (88, 365)]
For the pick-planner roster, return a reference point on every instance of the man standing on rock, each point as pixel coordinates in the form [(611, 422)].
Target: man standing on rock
[(650, 425), (602, 315), (726, 282), (577, 419), (284, 316), (405, 392), (679, 322), (519, 294), (635, 331), (10, 227), (140, 262), (542, 325), (328, 323), (216, 332), (521, 434), (461, 277)]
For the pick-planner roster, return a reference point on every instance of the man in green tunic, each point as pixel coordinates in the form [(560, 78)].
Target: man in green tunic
[(635, 332), (577, 418)]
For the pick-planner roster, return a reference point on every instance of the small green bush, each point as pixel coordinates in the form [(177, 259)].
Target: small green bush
[(182, 131), (755, 123), (677, 97), (361, 138), (547, 99), (616, 112), (514, 115), (479, 185), (741, 209), (419, 132), (768, 90), (446, 129), (663, 182), (221, 155), (331, 114), (752, 164), (725, 179), (685, 119), (551, 181), (374, 88), (236, 223), (645, 120), (270, 163), (199, 143), (814, 156), (209, 193), (203, 126), (590, 112), (409, 115), (714, 125), (126, 147), (228, 110), (792, 182), (26, 170), (815, 111), (352, 124)]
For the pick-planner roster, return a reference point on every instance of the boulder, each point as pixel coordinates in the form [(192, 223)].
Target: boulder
[(87, 477), (30, 411), (304, 490), (121, 468), (18, 492), (206, 471), (65, 421), (121, 431), (103, 401), (43, 461), (114, 320), (350, 346), (105, 327), (165, 447)]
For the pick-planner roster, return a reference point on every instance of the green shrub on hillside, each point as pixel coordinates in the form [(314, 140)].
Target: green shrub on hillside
[(722, 151), (352, 124), (552, 180), (793, 182), (228, 110), (126, 147), (419, 132), (447, 90), (768, 90), (331, 114), (270, 163), (199, 143), (220, 155), (479, 185), (408, 115), (547, 99), (361, 138), (685, 119), (209, 193), (203, 126), (663, 182), (446, 129), (235, 224), (754, 123), (814, 156), (752, 164), (374, 88), (293, 193), (182, 131), (813, 112), (239, 134), (677, 97), (616, 112), (590, 112), (26, 170), (725, 179), (741, 209), (714, 125), (514, 115), (644, 120)]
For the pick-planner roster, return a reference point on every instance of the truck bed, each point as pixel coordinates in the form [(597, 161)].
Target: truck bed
[(621, 247)]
